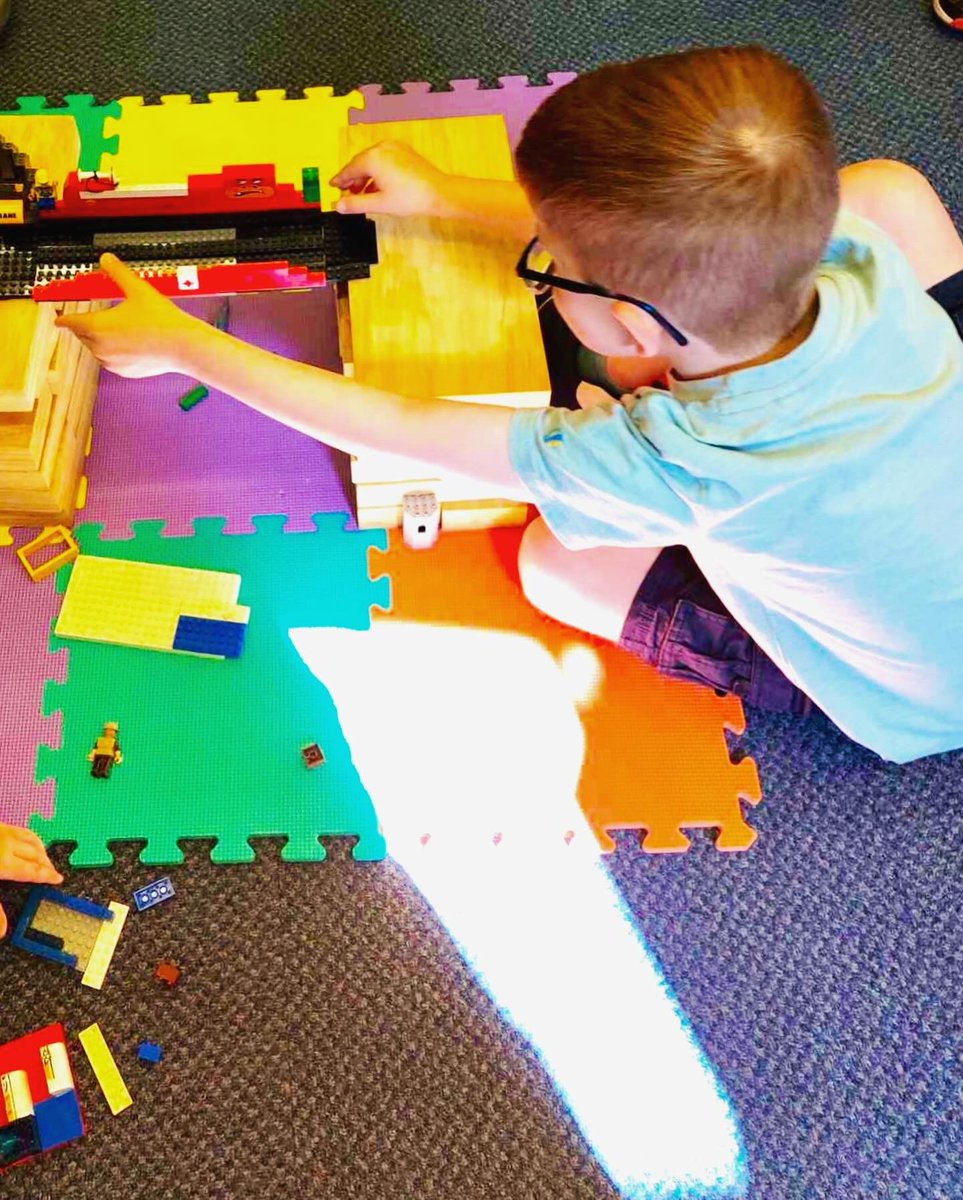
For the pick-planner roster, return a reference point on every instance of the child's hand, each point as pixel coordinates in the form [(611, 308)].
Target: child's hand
[(141, 336), (390, 178), (24, 860)]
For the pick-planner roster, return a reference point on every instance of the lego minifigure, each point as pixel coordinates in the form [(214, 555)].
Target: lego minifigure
[(106, 752)]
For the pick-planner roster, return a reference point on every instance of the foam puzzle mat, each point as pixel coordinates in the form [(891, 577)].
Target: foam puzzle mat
[(656, 758), (212, 747)]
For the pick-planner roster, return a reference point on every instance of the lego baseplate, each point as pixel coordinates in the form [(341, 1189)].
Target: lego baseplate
[(212, 748), (655, 759)]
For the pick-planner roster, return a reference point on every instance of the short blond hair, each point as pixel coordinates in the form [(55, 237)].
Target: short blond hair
[(705, 182)]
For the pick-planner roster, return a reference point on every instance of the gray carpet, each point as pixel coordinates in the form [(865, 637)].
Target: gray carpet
[(327, 1040)]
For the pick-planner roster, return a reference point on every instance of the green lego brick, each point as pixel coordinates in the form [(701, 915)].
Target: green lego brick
[(311, 185), (212, 748), (193, 397)]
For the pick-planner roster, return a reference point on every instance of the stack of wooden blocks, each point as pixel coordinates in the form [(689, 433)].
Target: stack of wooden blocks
[(48, 382)]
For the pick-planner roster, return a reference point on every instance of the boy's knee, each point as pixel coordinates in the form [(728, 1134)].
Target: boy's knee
[(903, 202)]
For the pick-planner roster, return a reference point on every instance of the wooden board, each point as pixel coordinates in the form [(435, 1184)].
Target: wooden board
[(51, 142), (444, 313), (457, 517), (42, 452), (27, 338)]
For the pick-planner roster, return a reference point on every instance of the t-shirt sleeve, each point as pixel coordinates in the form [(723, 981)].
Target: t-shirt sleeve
[(595, 477)]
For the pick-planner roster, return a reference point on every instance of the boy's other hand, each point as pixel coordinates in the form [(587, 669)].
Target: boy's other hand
[(23, 859), (390, 178), (142, 336)]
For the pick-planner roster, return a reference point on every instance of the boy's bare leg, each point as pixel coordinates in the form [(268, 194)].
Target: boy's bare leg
[(591, 589), (902, 202)]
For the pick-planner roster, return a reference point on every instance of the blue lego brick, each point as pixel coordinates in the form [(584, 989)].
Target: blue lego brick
[(201, 635), (154, 893), (150, 1052), (58, 1120)]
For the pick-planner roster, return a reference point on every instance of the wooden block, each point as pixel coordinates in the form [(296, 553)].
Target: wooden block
[(42, 452), (443, 312), (50, 141), (27, 335)]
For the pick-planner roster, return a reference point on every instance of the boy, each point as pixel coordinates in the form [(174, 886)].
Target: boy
[(806, 453), (23, 859)]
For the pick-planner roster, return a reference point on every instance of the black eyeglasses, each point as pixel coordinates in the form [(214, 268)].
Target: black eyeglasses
[(541, 280)]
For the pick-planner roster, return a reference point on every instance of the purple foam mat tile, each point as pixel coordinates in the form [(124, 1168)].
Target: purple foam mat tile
[(151, 460), (26, 612), (515, 99)]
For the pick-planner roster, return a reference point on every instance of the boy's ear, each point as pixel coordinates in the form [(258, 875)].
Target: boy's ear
[(647, 334)]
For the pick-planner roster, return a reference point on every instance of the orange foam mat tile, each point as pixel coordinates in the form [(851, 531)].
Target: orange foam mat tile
[(656, 757)]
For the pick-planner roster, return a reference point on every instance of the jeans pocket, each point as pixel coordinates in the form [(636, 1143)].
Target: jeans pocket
[(701, 646)]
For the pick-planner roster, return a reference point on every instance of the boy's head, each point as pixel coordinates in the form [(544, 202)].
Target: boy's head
[(704, 183)]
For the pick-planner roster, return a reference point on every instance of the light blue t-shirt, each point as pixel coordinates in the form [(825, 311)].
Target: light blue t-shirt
[(821, 495)]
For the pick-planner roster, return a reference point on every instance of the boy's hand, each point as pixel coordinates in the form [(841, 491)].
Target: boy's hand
[(390, 178), (141, 336), (24, 860)]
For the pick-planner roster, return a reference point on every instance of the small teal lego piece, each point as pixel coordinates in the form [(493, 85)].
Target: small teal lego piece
[(192, 398), (58, 1120), (150, 1052), (203, 635)]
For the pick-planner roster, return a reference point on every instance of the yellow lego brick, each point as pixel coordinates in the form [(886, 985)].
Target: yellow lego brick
[(105, 945), (6, 537), (102, 1062), (78, 931), (164, 143), (139, 604)]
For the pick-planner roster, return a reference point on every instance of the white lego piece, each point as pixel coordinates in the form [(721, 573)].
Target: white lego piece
[(187, 280), (421, 519)]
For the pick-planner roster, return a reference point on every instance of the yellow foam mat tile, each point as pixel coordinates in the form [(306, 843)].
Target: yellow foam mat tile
[(139, 604), (105, 945), (102, 1062), (164, 143)]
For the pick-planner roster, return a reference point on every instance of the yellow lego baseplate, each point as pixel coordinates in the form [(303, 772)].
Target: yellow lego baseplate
[(164, 143), (139, 604), (102, 1062)]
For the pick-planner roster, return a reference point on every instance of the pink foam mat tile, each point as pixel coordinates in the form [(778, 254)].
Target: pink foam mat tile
[(151, 460), (27, 610), (515, 99)]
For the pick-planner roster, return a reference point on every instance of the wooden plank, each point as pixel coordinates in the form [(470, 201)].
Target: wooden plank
[(27, 336), (44, 490), (443, 312), (484, 514), (50, 141)]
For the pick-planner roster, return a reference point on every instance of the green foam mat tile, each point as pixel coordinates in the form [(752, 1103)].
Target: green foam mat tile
[(212, 748)]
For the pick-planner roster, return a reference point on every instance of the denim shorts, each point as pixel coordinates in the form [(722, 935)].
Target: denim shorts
[(676, 622)]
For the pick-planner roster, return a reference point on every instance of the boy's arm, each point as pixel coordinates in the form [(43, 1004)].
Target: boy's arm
[(393, 179), (148, 335)]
